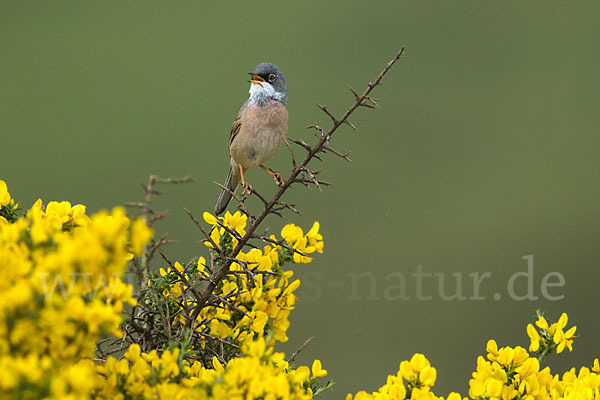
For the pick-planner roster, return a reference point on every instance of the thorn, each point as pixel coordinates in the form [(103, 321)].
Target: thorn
[(350, 124), (354, 92), (326, 111), (363, 104), (337, 153), (317, 127)]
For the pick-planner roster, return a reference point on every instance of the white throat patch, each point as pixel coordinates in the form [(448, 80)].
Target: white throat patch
[(264, 90)]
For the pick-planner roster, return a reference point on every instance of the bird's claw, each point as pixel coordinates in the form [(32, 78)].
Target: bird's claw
[(279, 180), (247, 188)]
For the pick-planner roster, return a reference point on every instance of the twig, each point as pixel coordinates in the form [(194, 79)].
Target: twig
[(291, 153), (293, 356), (337, 153), (279, 243), (329, 114), (199, 225), (305, 146), (235, 196)]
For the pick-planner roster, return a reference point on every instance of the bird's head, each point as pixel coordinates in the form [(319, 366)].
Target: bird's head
[(267, 81)]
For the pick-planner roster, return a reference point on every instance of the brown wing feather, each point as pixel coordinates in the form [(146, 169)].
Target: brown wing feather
[(235, 128)]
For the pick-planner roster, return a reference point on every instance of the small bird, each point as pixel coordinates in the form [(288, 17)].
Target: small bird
[(258, 130)]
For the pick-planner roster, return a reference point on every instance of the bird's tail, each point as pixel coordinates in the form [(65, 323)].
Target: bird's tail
[(233, 178)]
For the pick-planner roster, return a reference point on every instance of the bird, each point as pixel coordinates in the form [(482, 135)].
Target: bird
[(258, 130)]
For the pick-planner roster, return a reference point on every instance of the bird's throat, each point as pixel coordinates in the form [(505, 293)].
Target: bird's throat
[(261, 93)]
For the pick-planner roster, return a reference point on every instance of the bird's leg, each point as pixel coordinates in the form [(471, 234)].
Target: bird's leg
[(245, 185), (279, 180)]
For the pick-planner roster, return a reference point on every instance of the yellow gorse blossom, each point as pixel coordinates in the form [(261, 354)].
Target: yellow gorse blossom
[(259, 373), (8, 207), (267, 299), (258, 304), (508, 373), (292, 234), (234, 222), (307, 244), (548, 337), (317, 370), (4, 195), (60, 289)]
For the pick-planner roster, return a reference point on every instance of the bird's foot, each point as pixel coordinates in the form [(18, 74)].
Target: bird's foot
[(279, 180), (247, 188)]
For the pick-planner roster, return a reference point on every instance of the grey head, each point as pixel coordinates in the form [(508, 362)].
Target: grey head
[(267, 82)]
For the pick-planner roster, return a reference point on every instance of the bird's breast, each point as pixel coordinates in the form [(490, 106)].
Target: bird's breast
[(262, 132), (272, 114)]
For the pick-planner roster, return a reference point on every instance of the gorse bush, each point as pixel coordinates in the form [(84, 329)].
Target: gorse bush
[(508, 373), (50, 339), (47, 342), (50, 343), (258, 292)]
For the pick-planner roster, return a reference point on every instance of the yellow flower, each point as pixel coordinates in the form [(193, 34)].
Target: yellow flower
[(257, 260), (494, 388), (201, 266), (4, 195), (259, 322), (307, 244), (534, 337), (237, 221), (418, 362), (492, 348), (209, 218), (215, 236), (542, 323), (528, 367), (140, 235), (362, 395), (133, 353), (454, 396), (564, 339), (217, 364), (167, 364), (149, 357), (422, 394), (291, 233), (562, 321), (78, 216), (317, 371), (60, 211), (60, 297), (427, 376), (302, 374), (315, 239), (551, 336)]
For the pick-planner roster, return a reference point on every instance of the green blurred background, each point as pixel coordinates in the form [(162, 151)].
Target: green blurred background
[(484, 150)]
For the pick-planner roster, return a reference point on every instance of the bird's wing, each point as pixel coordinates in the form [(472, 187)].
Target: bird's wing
[(237, 124), (235, 128)]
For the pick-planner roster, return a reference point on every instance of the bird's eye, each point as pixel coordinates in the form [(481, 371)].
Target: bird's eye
[(272, 77)]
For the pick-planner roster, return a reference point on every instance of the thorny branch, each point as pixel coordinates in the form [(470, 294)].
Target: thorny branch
[(151, 321), (151, 216), (295, 354), (142, 322), (275, 204)]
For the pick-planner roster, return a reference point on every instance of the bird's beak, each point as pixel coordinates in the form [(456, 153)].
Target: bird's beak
[(255, 79)]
